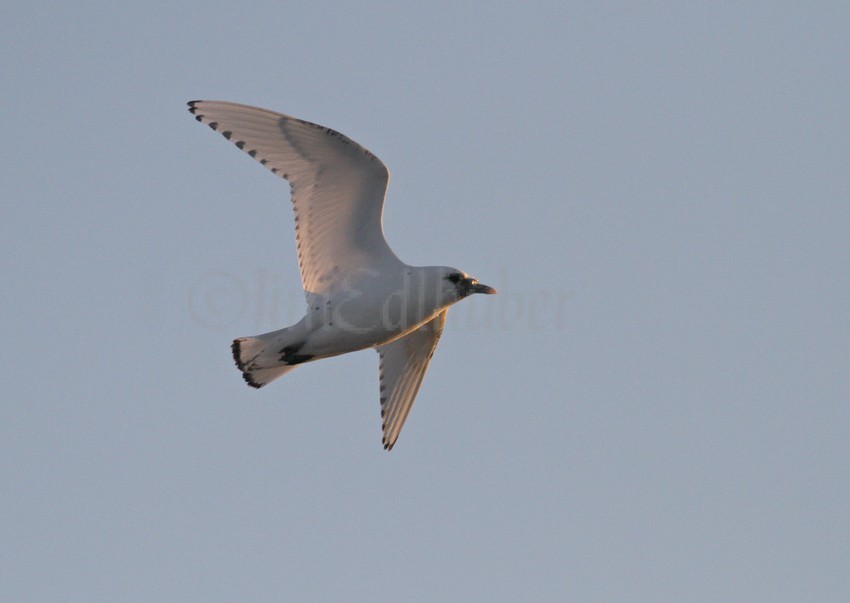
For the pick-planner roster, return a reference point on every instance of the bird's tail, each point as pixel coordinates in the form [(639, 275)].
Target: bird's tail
[(264, 358)]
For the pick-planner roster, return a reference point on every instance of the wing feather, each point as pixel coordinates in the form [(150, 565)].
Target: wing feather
[(403, 363), (337, 186)]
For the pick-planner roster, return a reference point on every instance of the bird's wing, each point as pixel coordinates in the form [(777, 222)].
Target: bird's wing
[(402, 367), (337, 187)]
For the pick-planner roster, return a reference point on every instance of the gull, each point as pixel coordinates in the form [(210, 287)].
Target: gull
[(359, 294)]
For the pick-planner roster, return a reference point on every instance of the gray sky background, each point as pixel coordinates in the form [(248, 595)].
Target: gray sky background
[(655, 407)]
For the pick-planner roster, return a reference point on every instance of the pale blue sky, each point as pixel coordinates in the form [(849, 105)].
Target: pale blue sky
[(654, 408)]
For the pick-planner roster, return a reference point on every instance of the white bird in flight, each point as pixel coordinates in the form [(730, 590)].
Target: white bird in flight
[(359, 294)]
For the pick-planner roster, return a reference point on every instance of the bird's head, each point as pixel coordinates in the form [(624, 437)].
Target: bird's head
[(463, 285)]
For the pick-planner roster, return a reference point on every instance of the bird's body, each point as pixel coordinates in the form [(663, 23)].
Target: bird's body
[(374, 309), (359, 294)]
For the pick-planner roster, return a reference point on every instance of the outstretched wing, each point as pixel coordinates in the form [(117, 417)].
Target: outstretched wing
[(337, 187), (402, 367)]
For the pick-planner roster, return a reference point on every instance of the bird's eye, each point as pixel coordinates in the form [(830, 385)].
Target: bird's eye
[(455, 277)]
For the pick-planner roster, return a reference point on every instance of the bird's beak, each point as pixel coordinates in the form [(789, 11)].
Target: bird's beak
[(479, 288)]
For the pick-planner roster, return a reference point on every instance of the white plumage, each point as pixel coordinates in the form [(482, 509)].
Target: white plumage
[(359, 294)]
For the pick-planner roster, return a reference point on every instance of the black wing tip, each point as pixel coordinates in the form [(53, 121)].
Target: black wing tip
[(193, 109), (250, 381), (234, 347)]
